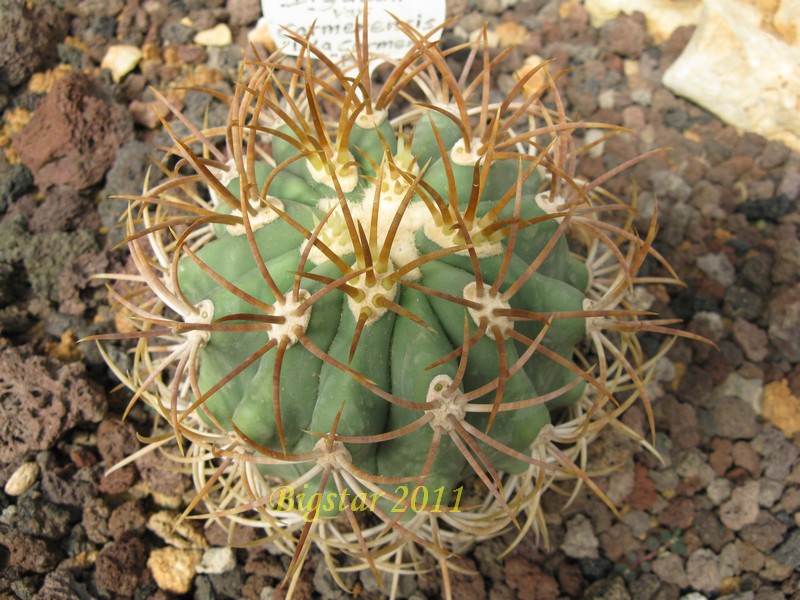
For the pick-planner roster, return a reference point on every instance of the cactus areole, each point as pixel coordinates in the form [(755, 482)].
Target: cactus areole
[(382, 317)]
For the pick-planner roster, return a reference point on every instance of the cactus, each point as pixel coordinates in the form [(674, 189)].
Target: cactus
[(386, 317)]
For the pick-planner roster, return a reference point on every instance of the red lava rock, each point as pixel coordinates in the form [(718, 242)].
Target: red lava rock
[(244, 12), (784, 323), (644, 492), (786, 267), (74, 134), (143, 113), (159, 472), (733, 418), (191, 54), (625, 36), (691, 485), (738, 475), (616, 542), (116, 440), (752, 340), (30, 553), (679, 514), (529, 581), (119, 481), (675, 44), (128, 518), (467, 585), (720, 458), (82, 457), (43, 399), (570, 579), (63, 209), (729, 171), (75, 283), (681, 420), (744, 456), (264, 565), (120, 566), (251, 590), (464, 585), (217, 536)]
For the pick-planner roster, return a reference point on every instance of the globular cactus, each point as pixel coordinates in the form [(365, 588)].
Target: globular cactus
[(385, 317)]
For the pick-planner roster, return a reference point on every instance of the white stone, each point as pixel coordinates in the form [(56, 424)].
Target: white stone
[(743, 64), (663, 16), (592, 136), (22, 479), (219, 35), (217, 560), (580, 540), (121, 60)]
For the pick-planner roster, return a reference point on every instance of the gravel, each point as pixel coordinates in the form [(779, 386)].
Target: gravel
[(715, 517)]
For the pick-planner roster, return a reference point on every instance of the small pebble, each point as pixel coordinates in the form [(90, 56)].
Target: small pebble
[(173, 568), (742, 508), (702, 570), (220, 35), (217, 560), (121, 60), (22, 479), (719, 490), (580, 540)]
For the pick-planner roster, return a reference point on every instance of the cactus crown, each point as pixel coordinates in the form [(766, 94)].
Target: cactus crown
[(366, 305)]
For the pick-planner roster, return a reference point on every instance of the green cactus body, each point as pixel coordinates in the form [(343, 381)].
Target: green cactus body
[(393, 351)]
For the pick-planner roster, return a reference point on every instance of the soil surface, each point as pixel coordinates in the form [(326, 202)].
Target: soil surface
[(719, 518)]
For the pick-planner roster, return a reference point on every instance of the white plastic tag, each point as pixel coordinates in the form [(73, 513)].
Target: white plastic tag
[(334, 31)]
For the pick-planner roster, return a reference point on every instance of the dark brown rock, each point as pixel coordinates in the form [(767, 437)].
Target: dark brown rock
[(679, 514), (159, 472), (74, 134), (120, 566), (29, 553), (128, 518), (625, 35), (29, 34), (644, 494), (42, 400), (529, 580), (116, 440)]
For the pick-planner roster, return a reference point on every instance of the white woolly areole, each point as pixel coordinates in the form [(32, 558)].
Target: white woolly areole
[(371, 121), (489, 304), (393, 185), (346, 174), (460, 156), (448, 404), (335, 235), (224, 176), (264, 216), (338, 457), (204, 315), (446, 238), (550, 205), (593, 324), (545, 435), (371, 295), (294, 323)]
